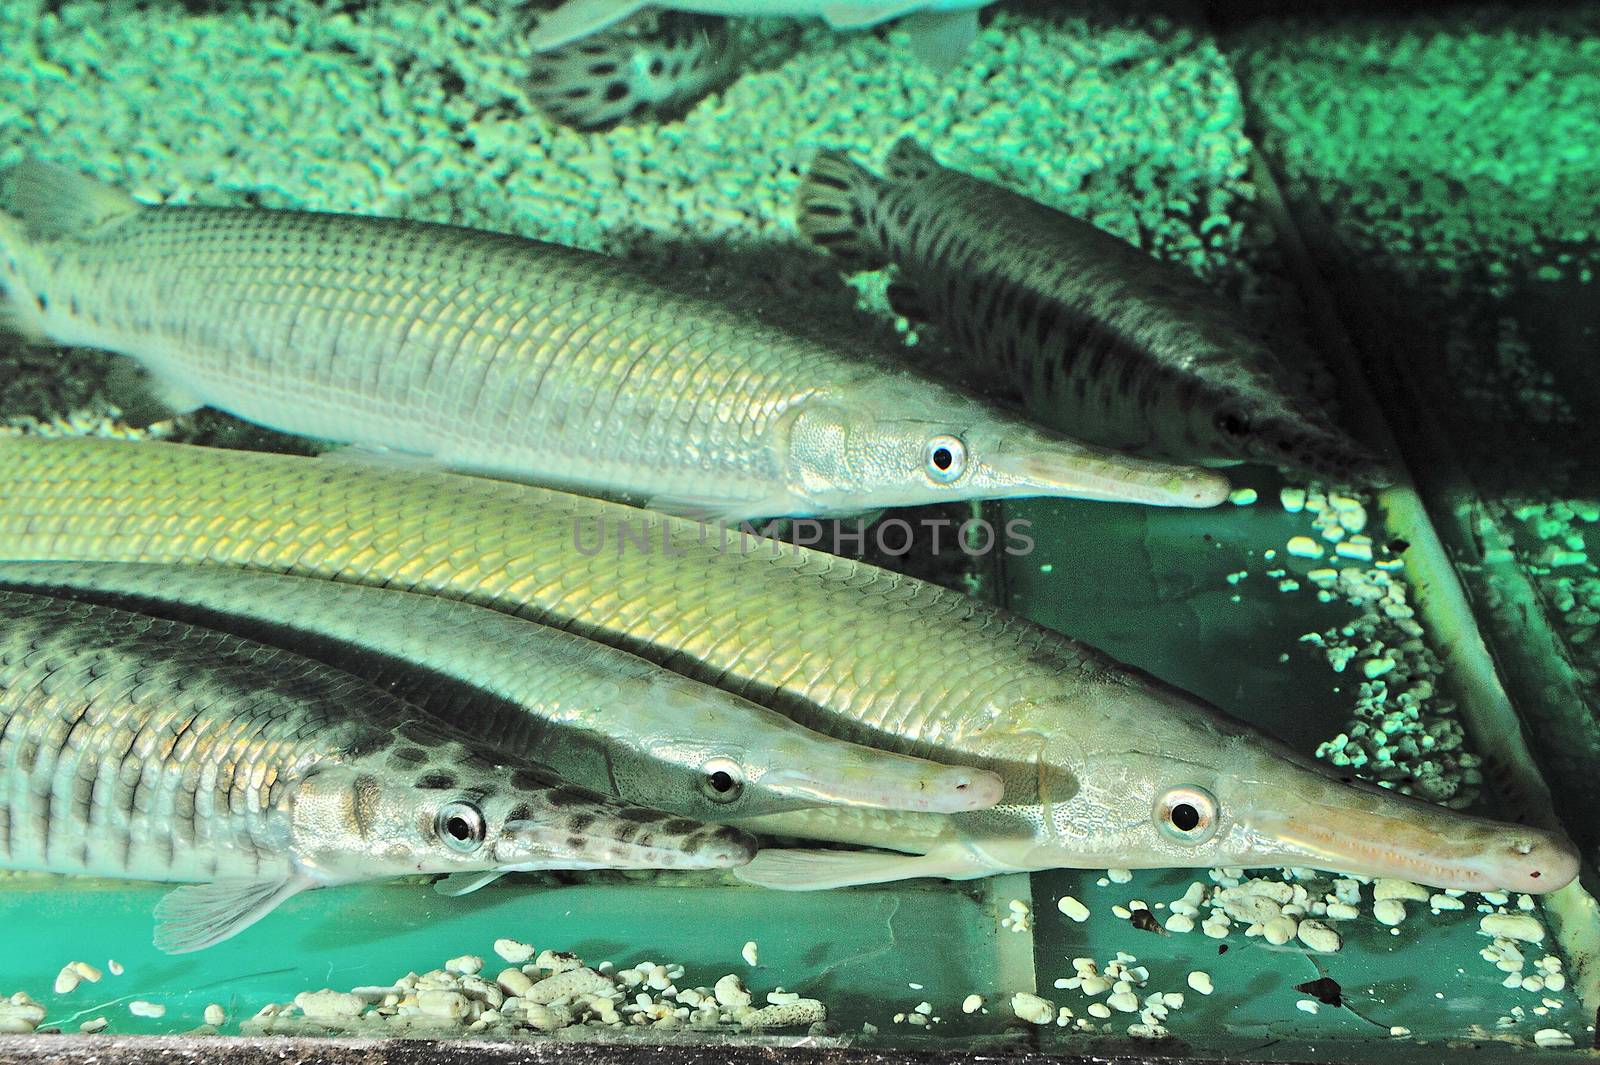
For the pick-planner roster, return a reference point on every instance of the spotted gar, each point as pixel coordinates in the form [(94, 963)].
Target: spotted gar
[(491, 354), (144, 748), (1103, 765), (1100, 339), (593, 713)]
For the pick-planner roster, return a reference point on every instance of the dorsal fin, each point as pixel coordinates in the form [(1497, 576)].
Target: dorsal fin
[(53, 202), (909, 161)]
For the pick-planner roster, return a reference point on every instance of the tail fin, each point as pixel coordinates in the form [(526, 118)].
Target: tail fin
[(909, 161), (834, 198), (655, 65), (52, 202), (580, 18)]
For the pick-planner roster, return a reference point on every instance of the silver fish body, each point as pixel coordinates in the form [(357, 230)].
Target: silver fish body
[(1100, 339), (624, 726), (142, 748), (512, 358), (1102, 764)]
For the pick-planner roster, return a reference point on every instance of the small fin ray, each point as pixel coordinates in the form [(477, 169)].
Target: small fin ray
[(454, 885), (196, 916), (859, 14), (53, 202), (835, 195)]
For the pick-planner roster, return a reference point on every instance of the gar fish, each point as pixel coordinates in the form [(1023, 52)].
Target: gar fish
[(1101, 339), (139, 747), (655, 64), (593, 713), (505, 357), (940, 29), (1102, 764)]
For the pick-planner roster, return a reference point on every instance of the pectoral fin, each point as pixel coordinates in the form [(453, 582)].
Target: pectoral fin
[(859, 14), (818, 870), (146, 398), (197, 916), (580, 18), (941, 38), (457, 884)]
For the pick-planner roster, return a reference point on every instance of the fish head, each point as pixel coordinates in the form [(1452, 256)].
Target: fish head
[(710, 754), (899, 441), (458, 813), (1195, 789), (1246, 416)]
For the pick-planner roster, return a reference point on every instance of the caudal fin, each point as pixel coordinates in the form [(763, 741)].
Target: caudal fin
[(656, 66), (835, 198)]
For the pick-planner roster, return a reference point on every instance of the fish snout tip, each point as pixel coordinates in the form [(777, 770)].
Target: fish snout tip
[(1536, 862), (962, 790)]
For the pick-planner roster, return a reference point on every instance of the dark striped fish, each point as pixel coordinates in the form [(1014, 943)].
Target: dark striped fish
[(148, 749), (1101, 339)]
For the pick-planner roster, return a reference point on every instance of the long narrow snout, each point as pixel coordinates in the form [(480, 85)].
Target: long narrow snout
[(1065, 468), (1374, 833), (887, 782)]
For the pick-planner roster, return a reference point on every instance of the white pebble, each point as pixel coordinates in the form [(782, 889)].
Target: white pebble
[(514, 982), (1342, 911), (1201, 982), (1293, 499), (215, 1015), (1304, 547), (1124, 1002), (1307, 1005), (1389, 911), (1279, 931), (1512, 926), (140, 1008), (90, 1027), (448, 1005), (1119, 876), (1099, 1009), (512, 951), (1180, 922), (1073, 908), (1242, 497), (85, 971), (466, 965), (67, 980), (1319, 937), (1095, 985), (1399, 889), (329, 1005), (730, 993), (751, 953), (1399, 1030), (1555, 982), (972, 1004), (1032, 1008), (1552, 1037)]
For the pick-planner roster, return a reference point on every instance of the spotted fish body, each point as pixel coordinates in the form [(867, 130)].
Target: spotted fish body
[(624, 726), (655, 66), (143, 748), (1099, 338), (1102, 764), (491, 354)]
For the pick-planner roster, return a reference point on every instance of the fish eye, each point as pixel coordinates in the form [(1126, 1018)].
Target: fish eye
[(722, 780), (1187, 814), (460, 826), (1231, 423), (945, 458)]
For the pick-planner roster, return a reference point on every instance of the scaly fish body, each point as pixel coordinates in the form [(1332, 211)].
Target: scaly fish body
[(940, 29), (1101, 764), (139, 747), (1100, 339), (512, 358), (593, 713)]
